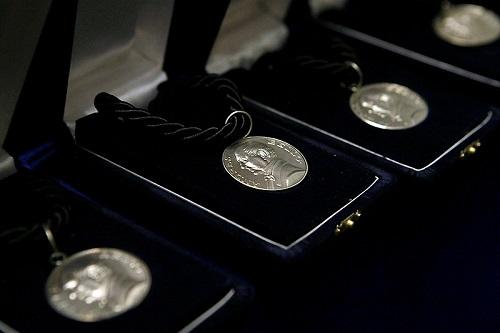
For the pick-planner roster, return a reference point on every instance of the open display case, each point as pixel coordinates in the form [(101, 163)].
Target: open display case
[(456, 36), (385, 230), (456, 116), (281, 224), (117, 274)]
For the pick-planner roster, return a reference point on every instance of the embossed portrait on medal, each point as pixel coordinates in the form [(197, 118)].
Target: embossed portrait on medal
[(389, 106), (96, 286), (265, 163), (467, 25), (98, 283), (386, 106)]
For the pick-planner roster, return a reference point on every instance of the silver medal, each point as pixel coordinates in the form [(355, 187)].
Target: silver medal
[(388, 106), (98, 284), (467, 25), (265, 163)]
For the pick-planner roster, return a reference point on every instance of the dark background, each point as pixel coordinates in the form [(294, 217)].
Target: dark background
[(426, 260)]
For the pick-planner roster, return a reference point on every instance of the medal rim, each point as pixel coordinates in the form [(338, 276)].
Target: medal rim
[(306, 165), (354, 107), (457, 41), (72, 315)]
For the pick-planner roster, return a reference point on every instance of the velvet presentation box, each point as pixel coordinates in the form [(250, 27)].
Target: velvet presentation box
[(282, 224), (457, 117), (406, 27), (186, 293)]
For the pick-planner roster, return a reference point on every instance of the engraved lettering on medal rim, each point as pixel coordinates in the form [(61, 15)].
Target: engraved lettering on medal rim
[(289, 149), (294, 153)]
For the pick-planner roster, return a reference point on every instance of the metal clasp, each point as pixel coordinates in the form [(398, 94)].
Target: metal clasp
[(354, 86), (57, 257), (470, 149), (347, 223), (245, 114)]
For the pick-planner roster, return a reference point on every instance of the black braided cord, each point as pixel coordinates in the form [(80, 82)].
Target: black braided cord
[(320, 66), (236, 126), (222, 86), (314, 57)]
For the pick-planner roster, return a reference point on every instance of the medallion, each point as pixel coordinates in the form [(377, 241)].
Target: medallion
[(265, 163), (98, 284), (467, 25), (388, 106)]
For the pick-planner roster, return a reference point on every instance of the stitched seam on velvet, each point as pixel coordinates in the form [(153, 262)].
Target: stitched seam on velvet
[(253, 233), (317, 129), (209, 312)]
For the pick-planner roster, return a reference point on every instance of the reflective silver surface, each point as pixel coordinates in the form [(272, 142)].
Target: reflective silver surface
[(467, 25), (389, 106), (97, 284), (265, 163)]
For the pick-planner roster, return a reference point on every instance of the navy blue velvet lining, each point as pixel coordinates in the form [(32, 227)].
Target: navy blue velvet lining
[(454, 103), (426, 262), (282, 217), (183, 287), (409, 24)]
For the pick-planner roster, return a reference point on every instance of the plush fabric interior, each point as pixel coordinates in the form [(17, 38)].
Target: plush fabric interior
[(197, 173), (182, 286), (454, 107), (414, 31), (428, 259)]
